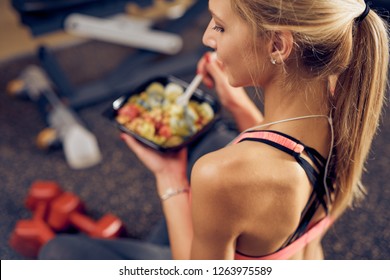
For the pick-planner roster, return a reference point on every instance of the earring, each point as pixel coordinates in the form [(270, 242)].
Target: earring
[(273, 61)]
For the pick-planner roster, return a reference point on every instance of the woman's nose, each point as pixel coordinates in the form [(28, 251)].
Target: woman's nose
[(208, 39)]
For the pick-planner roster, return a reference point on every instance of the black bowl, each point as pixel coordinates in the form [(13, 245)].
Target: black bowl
[(198, 96)]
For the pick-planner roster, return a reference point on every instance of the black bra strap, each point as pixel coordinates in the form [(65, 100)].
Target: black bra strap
[(317, 197)]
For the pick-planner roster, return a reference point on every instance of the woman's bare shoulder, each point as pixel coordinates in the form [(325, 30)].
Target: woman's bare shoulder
[(245, 163), (254, 179)]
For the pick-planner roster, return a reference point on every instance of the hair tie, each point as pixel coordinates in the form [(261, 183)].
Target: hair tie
[(360, 18)]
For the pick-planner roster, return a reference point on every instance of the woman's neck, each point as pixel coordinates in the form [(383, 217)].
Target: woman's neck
[(280, 104), (310, 99)]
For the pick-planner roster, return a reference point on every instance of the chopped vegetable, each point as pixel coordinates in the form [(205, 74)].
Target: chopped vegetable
[(154, 115)]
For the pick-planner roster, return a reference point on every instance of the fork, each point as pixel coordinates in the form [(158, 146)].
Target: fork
[(183, 99)]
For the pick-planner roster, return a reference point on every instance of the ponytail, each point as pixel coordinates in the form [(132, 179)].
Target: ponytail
[(358, 103)]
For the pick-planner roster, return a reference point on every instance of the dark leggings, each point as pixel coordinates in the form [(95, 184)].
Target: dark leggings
[(82, 247), (156, 245)]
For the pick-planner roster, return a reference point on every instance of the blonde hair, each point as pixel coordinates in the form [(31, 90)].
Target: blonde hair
[(329, 41)]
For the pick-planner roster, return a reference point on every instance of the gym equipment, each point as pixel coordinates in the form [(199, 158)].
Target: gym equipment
[(133, 71), (41, 6), (123, 30), (40, 195), (48, 139), (160, 9), (66, 211), (80, 145), (29, 236)]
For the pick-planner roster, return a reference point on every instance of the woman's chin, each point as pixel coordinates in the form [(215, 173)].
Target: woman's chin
[(235, 83)]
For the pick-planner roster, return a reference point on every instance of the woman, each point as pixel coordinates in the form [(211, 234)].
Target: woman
[(275, 190)]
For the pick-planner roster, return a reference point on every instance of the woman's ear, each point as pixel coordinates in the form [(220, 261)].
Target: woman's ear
[(281, 46)]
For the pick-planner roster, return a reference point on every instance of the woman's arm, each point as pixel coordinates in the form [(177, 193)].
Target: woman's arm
[(196, 230), (177, 212), (235, 100), (170, 174), (217, 213)]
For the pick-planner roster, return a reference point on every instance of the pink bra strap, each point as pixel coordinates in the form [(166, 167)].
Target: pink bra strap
[(273, 137), (287, 252)]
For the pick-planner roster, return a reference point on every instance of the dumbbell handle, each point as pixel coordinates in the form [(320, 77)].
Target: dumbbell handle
[(108, 227), (40, 211), (67, 210)]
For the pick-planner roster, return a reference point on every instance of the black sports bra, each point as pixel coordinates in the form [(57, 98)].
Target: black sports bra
[(316, 175)]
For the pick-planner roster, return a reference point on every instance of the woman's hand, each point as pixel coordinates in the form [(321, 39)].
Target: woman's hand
[(169, 169), (214, 76), (235, 100), (156, 162)]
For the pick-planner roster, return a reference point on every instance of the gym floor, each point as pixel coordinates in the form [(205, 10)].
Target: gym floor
[(120, 184)]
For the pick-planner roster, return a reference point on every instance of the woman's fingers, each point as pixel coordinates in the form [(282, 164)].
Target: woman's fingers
[(203, 68), (208, 81), (132, 144), (156, 162), (215, 70)]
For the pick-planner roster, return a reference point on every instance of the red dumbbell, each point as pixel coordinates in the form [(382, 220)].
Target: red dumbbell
[(66, 211), (29, 236), (40, 195)]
